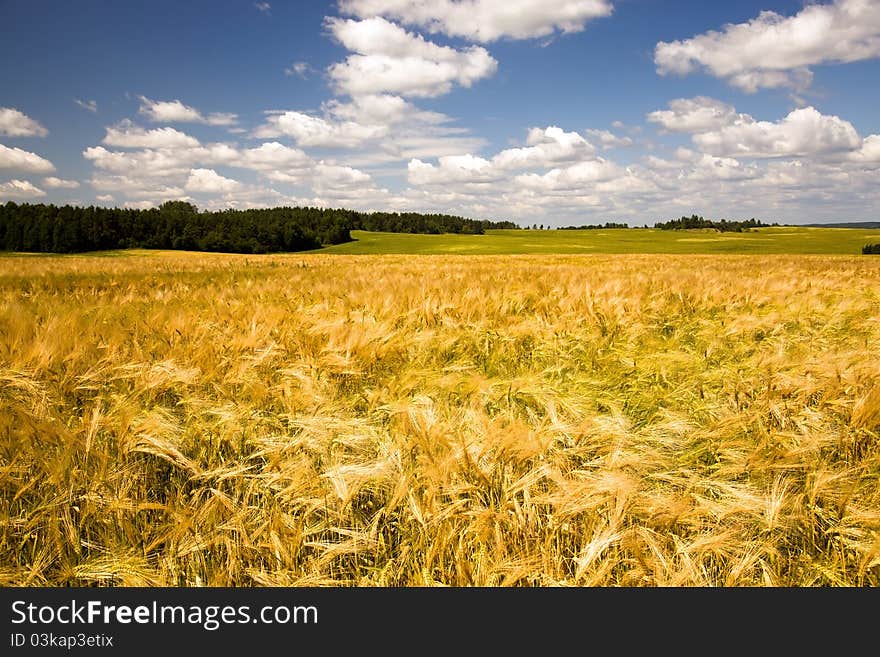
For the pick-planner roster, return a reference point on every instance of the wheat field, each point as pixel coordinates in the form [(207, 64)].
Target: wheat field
[(183, 419)]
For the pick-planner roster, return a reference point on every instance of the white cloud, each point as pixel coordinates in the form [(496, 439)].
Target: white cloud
[(798, 79), (390, 59), (163, 162), (411, 144), (309, 130), (21, 160), (869, 152), (58, 183), (334, 178), (608, 139), (709, 167), (574, 177), (271, 156), (138, 187), (89, 105), (263, 7), (208, 181), (174, 111), (804, 131), (105, 198), (452, 169), (382, 109), (382, 127), (485, 20), (138, 205), (17, 124), (151, 163), (546, 146), (324, 177), (20, 189), (301, 69), (698, 114), (628, 183), (774, 50), (125, 134), (720, 130)]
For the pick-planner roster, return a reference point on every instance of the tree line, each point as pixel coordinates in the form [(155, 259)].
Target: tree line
[(432, 224), (607, 224), (180, 225), (723, 225)]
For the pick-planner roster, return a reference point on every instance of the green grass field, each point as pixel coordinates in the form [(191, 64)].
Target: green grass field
[(783, 239)]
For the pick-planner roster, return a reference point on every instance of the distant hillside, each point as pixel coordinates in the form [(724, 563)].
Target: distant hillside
[(851, 224)]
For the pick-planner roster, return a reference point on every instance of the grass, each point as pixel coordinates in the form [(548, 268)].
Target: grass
[(787, 239), (591, 420)]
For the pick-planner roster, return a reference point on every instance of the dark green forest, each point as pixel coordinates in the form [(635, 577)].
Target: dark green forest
[(722, 225), (180, 225)]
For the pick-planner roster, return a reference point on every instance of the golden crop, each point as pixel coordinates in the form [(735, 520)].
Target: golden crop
[(197, 419)]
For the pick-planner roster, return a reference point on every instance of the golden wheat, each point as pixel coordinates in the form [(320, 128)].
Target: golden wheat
[(197, 419)]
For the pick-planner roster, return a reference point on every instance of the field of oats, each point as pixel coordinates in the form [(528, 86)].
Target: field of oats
[(592, 420)]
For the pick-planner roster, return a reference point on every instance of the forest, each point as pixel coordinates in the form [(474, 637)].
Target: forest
[(722, 225), (180, 225)]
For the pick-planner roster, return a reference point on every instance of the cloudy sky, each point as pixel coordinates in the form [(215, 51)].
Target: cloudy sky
[(558, 112)]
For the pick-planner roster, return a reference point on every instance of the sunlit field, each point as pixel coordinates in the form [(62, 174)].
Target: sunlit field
[(780, 239), (189, 419)]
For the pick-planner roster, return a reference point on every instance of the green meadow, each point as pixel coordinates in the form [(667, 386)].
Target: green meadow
[(782, 239)]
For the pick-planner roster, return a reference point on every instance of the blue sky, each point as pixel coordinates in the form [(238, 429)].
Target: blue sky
[(558, 112)]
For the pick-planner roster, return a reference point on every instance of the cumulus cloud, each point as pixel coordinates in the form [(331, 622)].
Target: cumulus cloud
[(390, 59), (154, 163), (58, 183), (574, 177), (174, 111), (272, 156), (718, 129), (309, 130), (774, 50), (335, 178), (382, 127), (383, 109), (14, 123), (452, 169), (20, 189), (804, 131), (698, 114), (608, 139), (485, 20), (869, 152), (208, 181), (709, 167), (138, 205), (21, 160), (163, 173), (162, 162), (126, 134), (546, 146), (138, 187)]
